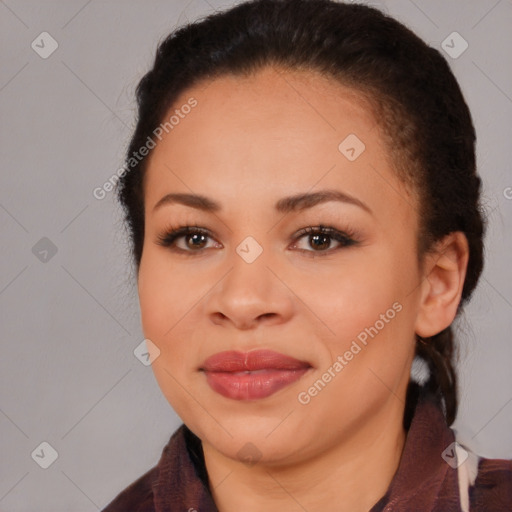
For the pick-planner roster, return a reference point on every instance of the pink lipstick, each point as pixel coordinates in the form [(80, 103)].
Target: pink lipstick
[(251, 375)]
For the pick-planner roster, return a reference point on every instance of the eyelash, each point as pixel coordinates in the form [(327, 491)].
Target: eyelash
[(346, 238)]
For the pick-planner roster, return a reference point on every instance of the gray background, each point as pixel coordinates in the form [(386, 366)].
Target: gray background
[(69, 325)]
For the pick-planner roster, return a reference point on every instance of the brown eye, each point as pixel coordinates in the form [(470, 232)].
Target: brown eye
[(320, 239), (195, 239)]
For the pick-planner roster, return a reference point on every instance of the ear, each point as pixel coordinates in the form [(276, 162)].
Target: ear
[(444, 271)]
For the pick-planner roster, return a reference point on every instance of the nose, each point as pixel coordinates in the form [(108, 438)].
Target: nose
[(250, 294)]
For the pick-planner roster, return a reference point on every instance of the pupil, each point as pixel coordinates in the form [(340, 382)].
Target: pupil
[(193, 237), (324, 237)]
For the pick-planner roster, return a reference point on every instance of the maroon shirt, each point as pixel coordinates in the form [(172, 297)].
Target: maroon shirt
[(423, 481)]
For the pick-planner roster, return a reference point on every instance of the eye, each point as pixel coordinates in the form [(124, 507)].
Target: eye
[(321, 237), (194, 239)]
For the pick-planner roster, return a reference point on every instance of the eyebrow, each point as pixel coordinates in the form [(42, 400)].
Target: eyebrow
[(297, 202)]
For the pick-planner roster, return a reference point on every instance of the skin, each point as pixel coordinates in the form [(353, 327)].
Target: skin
[(248, 143)]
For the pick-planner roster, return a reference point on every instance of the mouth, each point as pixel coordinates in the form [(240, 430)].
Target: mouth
[(251, 375)]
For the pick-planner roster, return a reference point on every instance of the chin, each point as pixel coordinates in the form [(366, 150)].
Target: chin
[(254, 438)]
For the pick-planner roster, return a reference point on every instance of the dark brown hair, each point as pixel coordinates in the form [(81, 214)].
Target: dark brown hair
[(413, 93)]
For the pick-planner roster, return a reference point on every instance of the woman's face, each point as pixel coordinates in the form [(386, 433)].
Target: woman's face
[(344, 308)]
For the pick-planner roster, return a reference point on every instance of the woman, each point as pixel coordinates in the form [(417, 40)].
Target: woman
[(303, 206)]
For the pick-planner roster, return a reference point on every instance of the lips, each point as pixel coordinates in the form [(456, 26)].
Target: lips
[(251, 375)]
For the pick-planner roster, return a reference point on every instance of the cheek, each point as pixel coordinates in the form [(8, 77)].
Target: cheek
[(170, 298), (368, 357), (347, 299), (163, 293), (369, 311), (164, 297)]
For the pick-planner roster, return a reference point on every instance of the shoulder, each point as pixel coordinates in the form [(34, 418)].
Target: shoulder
[(492, 490), (137, 497)]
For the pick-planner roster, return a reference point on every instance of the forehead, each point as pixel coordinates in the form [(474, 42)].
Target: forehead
[(271, 130), (302, 102)]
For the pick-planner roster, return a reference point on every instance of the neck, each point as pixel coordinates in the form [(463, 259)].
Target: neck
[(349, 476)]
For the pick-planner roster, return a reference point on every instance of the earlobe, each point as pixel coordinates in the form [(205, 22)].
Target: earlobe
[(443, 279)]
